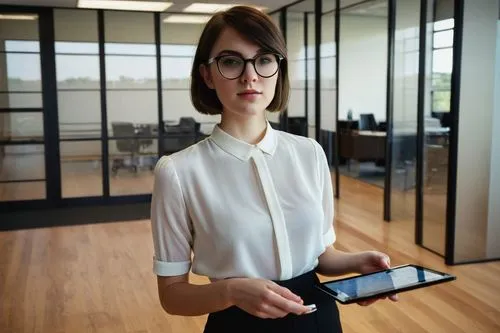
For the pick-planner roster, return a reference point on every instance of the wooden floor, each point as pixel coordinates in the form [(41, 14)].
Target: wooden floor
[(98, 278)]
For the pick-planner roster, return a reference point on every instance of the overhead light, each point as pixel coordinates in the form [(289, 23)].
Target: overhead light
[(18, 17), (206, 7), (151, 6), (193, 19), (211, 8)]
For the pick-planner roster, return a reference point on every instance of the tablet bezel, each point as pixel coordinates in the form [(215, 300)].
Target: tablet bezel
[(445, 278)]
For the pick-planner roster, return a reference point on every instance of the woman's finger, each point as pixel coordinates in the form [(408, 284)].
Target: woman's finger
[(285, 292), (270, 311)]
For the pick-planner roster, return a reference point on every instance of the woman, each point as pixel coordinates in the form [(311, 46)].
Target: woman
[(254, 205)]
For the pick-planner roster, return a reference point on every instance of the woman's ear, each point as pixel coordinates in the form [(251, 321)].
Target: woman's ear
[(207, 76)]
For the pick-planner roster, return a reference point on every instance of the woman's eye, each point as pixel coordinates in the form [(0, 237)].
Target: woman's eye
[(231, 61), (264, 60)]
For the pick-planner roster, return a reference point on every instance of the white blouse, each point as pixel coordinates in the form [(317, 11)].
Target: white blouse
[(262, 211)]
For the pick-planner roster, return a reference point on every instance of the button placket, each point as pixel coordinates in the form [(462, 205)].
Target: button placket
[(276, 213)]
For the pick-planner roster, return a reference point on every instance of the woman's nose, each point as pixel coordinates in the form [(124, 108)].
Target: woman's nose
[(249, 73)]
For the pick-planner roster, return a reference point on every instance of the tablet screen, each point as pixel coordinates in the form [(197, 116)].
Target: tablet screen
[(368, 285)]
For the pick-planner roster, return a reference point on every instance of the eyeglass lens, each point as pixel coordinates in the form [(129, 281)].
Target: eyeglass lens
[(232, 66)]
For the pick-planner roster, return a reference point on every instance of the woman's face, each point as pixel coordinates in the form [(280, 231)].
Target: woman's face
[(249, 94)]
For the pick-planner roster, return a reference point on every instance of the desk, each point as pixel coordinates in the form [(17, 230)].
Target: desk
[(363, 145)]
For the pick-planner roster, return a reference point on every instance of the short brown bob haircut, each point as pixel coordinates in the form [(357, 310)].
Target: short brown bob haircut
[(258, 28)]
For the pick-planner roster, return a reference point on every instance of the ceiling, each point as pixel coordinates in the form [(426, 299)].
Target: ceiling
[(375, 7), (178, 5)]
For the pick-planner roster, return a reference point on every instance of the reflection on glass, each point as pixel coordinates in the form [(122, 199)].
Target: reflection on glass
[(436, 128), (23, 72), (23, 162), (25, 126), (133, 106), (81, 169), (441, 101), (297, 121), (129, 28), (442, 60), (274, 117), (444, 24), (184, 125), (328, 75), (77, 72), (77, 48), (131, 162), (79, 114), (22, 191), (176, 72), (78, 98), (443, 38), (177, 50), (130, 49), (435, 192), (127, 72), (75, 31), (20, 100), (23, 45)]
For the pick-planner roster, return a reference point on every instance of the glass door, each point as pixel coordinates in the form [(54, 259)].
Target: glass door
[(22, 138)]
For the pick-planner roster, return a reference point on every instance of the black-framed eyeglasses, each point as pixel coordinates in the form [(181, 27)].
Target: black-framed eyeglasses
[(232, 66)]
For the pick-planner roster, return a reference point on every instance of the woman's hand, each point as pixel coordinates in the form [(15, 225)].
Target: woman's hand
[(264, 298), (372, 261)]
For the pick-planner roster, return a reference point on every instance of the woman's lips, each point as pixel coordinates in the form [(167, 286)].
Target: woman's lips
[(249, 95)]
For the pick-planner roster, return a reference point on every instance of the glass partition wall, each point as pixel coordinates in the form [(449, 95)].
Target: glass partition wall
[(76, 42), (473, 224), (131, 100), (436, 124), (181, 124), (90, 99), (363, 90), (22, 136), (405, 110), (328, 81), (300, 25)]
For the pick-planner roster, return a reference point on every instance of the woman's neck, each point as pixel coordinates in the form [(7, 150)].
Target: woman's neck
[(250, 129)]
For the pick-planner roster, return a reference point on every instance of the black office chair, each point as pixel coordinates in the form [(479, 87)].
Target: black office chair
[(367, 122), (183, 135), (128, 140)]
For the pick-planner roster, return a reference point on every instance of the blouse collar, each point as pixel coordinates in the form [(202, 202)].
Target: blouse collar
[(241, 149)]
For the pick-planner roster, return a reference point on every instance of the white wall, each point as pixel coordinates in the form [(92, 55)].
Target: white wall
[(477, 94), (493, 248), (363, 66)]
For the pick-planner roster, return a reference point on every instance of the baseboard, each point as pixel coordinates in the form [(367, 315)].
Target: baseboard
[(43, 218)]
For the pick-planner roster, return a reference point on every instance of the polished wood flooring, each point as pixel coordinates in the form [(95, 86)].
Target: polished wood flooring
[(98, 278)]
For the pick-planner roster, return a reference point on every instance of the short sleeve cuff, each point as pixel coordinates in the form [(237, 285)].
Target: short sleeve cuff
[(164, 268), (329, 238)]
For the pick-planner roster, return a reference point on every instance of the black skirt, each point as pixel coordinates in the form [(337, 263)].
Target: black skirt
[(325, 320)]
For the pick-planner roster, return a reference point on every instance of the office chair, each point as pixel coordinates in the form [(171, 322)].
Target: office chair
[(183, 135), (367, 122), (128, 141)]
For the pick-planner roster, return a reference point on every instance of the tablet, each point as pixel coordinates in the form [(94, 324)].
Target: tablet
[(383, 283)]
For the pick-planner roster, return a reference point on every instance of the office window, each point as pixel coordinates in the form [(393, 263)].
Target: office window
[(442, 62), (132, 101), (79, 102), (183, 124), (22, 158)]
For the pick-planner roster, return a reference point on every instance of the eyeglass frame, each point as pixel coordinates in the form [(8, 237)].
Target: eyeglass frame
[(278, 56)]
